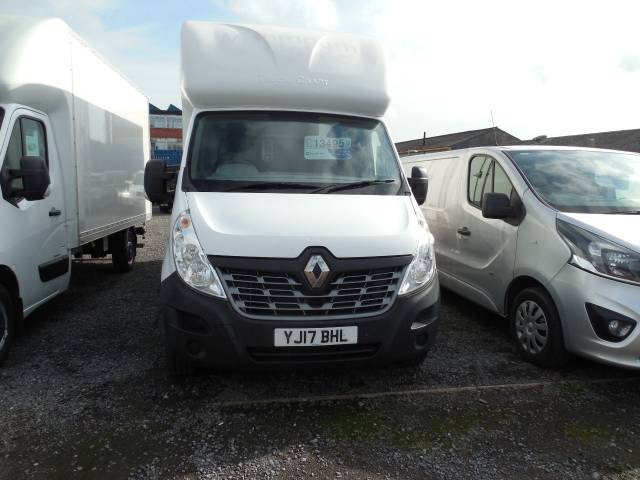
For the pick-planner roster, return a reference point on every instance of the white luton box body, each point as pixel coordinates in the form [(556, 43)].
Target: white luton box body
[(62, 103), (268, 68), (99, 120)]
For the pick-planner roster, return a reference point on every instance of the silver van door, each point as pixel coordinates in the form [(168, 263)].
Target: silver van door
[(486, 247), (441, 207)]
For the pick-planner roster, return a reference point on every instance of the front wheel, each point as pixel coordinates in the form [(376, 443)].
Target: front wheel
[(537, 330), (7, 322), (123, 250), (178, 364)]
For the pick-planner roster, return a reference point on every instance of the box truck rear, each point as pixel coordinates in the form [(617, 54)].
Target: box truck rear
[(74, 139)]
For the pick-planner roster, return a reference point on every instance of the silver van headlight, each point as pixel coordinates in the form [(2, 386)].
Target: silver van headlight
[(598, 255), (191, 263), (423, 267)]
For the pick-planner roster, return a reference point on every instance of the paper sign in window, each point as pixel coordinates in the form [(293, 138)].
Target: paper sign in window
[(32, 145), (327, 148)]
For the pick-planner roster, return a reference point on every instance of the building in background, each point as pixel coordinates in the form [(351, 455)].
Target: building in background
[(166, 134), (165, 129), (456, 141), (627, 140)]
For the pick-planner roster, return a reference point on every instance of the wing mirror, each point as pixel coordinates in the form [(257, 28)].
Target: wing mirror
[(419, 184), (34, 174), (154, 181), (498, 206)]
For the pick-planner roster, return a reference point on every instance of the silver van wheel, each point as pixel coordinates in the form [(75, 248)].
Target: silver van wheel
[(4, 326), (531, 325)]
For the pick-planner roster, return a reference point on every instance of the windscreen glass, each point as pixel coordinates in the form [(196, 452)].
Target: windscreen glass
[(583, 181), (297, 152)]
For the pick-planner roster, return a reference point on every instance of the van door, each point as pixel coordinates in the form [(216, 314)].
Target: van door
[(440, 208), (486, 247), (35, 230)]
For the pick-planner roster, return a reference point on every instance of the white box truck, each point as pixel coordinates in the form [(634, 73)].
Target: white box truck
[(294, 235), (74, 140)]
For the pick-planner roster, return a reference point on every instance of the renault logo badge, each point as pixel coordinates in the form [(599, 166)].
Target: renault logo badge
[(316, 271)]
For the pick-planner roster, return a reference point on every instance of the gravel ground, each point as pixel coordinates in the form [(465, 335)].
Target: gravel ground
[(84, 394)]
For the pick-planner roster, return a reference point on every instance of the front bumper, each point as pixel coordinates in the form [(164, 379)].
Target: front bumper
[(572, 288), (212, 333)]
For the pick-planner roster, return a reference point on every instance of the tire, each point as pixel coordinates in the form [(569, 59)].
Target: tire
[(123, 250), (414, 362), (166, 208), (178, 365), (7, 322), (537, 330)]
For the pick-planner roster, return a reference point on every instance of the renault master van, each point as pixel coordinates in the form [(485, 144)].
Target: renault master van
[(546, 236), (294, 236)]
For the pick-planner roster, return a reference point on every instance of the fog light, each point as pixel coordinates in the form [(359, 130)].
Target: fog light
[(609, 325), (619, 329)]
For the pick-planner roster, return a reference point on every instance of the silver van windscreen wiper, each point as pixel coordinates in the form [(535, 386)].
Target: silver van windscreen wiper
[(623, 212), (348, 186)]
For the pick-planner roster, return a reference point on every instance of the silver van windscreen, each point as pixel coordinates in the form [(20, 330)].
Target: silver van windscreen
[(583, 181)]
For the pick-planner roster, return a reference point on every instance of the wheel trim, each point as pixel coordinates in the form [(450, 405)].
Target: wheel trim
[(532, 328), (4, 326)]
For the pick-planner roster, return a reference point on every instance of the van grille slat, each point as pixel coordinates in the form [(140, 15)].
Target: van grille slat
[(271, 294)]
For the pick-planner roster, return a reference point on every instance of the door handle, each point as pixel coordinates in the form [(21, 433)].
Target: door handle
[(464, 231), (54, 212)]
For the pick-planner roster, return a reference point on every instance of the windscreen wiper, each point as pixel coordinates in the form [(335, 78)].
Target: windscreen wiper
[(272, 186), (348, 186), (624, 212)]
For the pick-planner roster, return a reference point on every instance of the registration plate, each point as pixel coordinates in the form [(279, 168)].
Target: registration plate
[(311, 337)]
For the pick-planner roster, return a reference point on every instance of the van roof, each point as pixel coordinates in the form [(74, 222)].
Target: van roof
[(510, 148), (259, 67), (552, 147)]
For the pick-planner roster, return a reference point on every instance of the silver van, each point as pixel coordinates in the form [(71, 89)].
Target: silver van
[(546, 236)]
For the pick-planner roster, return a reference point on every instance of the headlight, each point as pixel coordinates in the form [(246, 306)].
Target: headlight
[(598, 255), (422, 269), (191, 263)]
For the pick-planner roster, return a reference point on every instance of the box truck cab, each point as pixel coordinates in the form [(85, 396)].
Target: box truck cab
[(73, 144), (546, 236), (294, 236)]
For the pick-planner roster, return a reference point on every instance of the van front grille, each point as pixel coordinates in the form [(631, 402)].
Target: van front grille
[(278, 294)]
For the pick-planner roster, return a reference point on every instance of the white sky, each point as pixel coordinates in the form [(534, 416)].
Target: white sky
[(543, 67)]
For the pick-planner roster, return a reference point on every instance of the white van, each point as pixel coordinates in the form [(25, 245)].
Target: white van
[(547, 236), (74, 137), (294, 235)]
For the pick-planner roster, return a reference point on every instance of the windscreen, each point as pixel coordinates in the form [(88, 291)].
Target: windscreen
[(285, 151), (583, 181)]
